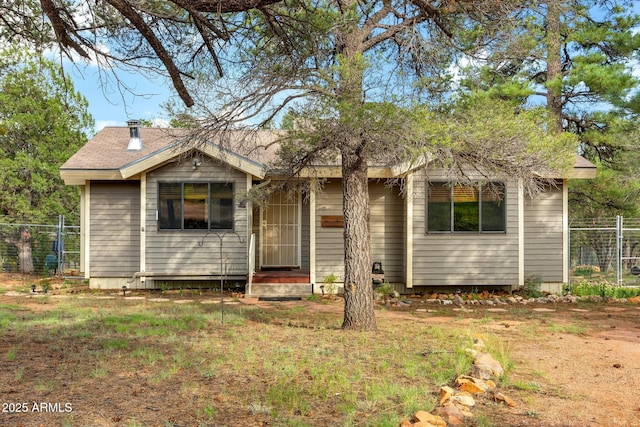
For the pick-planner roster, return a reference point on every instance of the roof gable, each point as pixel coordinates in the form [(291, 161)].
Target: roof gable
[(214, 151), (105, 157)]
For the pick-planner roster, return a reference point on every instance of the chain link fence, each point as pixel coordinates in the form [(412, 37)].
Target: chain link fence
[(606, 249), (43, 249)]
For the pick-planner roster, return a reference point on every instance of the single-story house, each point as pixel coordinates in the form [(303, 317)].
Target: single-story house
[(156, 211)]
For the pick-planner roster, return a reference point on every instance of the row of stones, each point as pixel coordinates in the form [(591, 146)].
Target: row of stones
[(458, 300), (455, 405)]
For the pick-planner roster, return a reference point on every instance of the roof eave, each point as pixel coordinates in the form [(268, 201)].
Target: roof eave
[(81, 176), (583, 173), (333, 172)]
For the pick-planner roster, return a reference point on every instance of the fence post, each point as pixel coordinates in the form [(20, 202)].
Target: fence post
[(568, 260), (60, 242), (619, 242)]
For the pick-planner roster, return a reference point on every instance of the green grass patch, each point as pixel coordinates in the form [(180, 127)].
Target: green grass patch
[(286, 365), (115, 344), (571, 328), (11, 354), (530, 386), (603, 288)]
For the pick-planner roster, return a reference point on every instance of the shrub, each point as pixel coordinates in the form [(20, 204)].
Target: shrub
[(603, 288), (386, 290), (531, 288)]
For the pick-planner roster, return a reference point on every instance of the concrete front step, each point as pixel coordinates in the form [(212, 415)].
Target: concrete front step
[(280, 289)]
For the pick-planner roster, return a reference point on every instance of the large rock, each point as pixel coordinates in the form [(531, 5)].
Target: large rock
[(472, 385), (427, 419), (445, 393), (451, 414), (464, 399), (486, 367), (478, 343), (502, 398)]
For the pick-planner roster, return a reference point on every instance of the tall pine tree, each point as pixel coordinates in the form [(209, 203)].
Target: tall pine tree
[(577, 57)]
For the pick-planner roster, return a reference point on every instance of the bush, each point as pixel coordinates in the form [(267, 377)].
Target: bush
[(386, 290), (603, 288), (531, 288)]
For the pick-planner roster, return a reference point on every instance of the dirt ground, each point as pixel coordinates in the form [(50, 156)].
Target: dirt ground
[(584, 368)]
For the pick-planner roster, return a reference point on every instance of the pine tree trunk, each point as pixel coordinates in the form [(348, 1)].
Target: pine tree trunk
[(554, 64), (358, 290)]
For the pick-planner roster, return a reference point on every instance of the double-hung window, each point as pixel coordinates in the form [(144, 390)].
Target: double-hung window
[(195, 206), (453, 208)]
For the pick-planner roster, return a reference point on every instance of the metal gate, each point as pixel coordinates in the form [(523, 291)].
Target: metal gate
[(52, 248), (607, 249)]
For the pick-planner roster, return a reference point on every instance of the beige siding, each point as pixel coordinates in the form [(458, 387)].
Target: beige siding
[(464, 259), (543, 235), (329, 241), (386, 224), (175, 252), (115, 229), (387, 230)]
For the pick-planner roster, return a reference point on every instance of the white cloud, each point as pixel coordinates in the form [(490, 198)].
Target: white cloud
[(159, 123)]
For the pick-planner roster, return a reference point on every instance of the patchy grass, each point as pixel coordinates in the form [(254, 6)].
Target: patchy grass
[(148, 364), (568, 328), (286, 366)]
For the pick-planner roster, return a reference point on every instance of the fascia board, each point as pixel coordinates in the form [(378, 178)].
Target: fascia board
[(170, 152), (81, 176)]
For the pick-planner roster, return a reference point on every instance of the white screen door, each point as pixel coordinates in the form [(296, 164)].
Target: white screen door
[(280, 229)]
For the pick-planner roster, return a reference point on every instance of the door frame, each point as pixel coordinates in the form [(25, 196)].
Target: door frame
[(263, 239)]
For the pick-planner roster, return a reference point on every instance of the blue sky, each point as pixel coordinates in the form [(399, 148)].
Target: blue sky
[(113, 106)]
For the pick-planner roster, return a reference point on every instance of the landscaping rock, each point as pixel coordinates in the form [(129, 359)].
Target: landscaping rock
[(428, 420), (456, 405), (502, 398), (570, 299), (457, 300), (486, 367), (445, 394), (464, 399), (471, 385), (453, 415)]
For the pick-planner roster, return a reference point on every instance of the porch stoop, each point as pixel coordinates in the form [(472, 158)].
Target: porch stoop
[(285, 282), (280, 290)]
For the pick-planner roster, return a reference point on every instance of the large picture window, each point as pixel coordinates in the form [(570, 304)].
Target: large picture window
[(195, 206), (478, 208)]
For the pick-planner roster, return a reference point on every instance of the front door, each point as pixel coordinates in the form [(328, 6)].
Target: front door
[(280, 231)]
